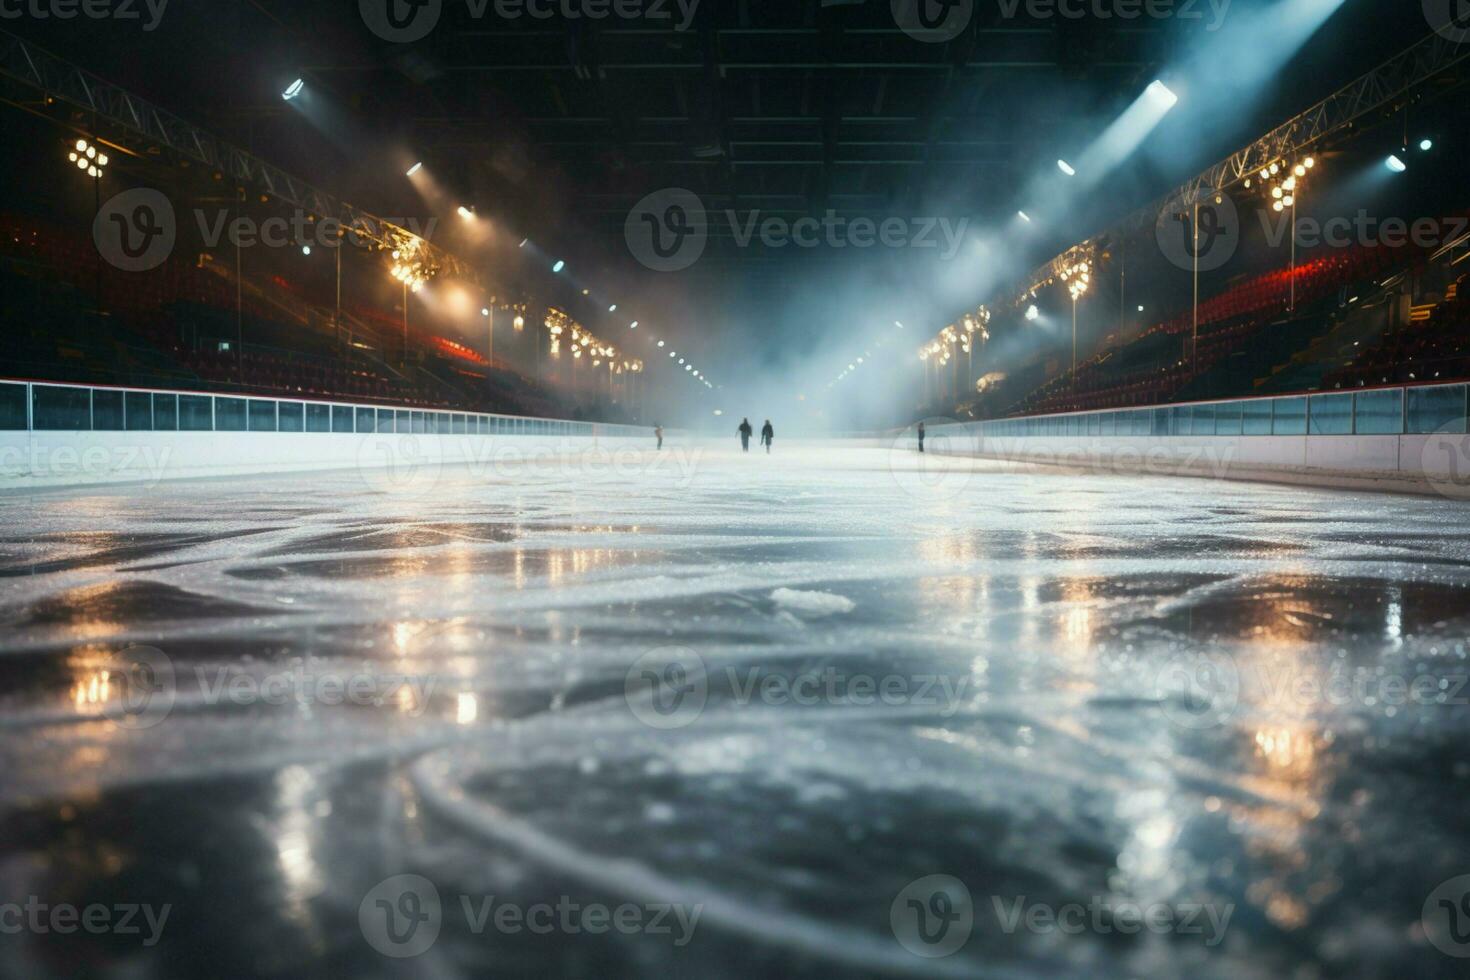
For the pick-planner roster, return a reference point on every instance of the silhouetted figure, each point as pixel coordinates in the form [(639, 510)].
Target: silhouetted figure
[(745, 433), (658, 432), (767, 434), (921, 437)]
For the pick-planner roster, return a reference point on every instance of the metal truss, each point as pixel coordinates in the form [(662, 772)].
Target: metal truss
[(58, 79), (1292, 139), (1332, 115)]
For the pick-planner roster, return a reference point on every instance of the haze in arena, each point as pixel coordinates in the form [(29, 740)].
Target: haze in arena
[(728, 488)]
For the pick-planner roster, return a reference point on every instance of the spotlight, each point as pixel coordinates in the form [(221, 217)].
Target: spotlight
[(1289, 201), (1426, 145), (523, 243), (293, 90), (660, 343), (81, 146), (465, 213), (415, 168), (306, 250), (560, 265), (1032, 312), (1160, 93), (1140, 309), (897, 324), (633, 325), (485, 311), (1310, 162), (1066, 168), (1024, 216), (613, 308), (1395, 164)]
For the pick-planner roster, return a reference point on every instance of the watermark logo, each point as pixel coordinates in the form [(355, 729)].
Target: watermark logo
[(933, 916), (667, 688), (667, 231), (1450, 18), (1446, 917), (149, 12), (933, 21), (401, 916), (932, 463), (1207, 235), (136, 688), (401, 21), (1199, 690), (1445, 461), (135, 231), (400, 463)]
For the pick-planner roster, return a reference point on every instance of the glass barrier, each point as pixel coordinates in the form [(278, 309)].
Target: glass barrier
[(1389, 411), (77, 408)]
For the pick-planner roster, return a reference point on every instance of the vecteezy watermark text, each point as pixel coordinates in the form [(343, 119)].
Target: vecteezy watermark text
[(668, 688), (149, 12), (61, 918), (402, 917), (407, 21), (137, 230), (934, 917), (667, 231), (1210, 12)]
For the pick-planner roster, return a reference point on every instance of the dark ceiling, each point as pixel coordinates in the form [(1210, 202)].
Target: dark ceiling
[(556, 127)]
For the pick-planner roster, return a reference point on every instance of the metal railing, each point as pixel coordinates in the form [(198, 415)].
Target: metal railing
[(39, 406)]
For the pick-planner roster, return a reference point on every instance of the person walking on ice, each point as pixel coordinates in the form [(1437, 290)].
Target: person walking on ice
[(767, 434), (921, 437), (745, 432), (658, 433)]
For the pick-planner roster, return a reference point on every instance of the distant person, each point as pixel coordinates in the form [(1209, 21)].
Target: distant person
[(658, 433), (745, 433), (921, 437), (767, 434)]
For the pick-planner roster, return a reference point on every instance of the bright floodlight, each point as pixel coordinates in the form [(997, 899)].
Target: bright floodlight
[(1426, 145), (1161, 94), (465, 213), (293, 90), (1032, 312), (560, 265), (1066, 168), (415, 168), (1395, 164), (1024, 216)]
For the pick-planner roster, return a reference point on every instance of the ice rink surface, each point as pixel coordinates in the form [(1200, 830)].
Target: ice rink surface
[(824, 713)]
